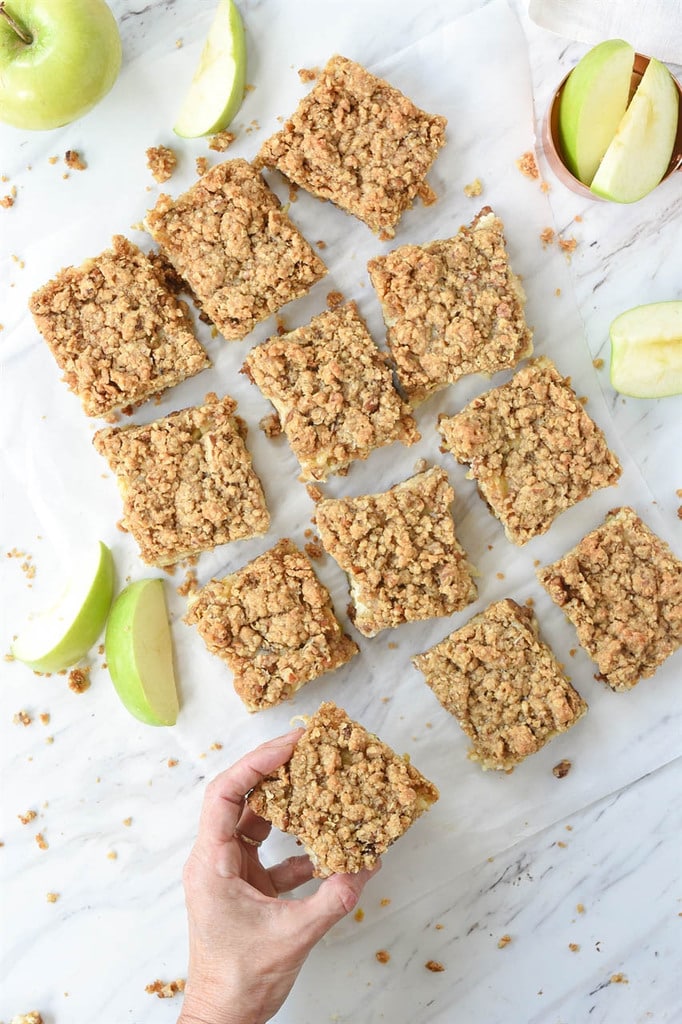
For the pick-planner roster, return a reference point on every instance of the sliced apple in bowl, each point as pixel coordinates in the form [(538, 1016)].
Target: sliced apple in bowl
[(646, 350)]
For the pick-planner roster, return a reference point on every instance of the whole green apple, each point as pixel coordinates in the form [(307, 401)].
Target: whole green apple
[(58, 58)]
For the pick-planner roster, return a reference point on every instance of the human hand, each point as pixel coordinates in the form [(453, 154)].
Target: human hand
[(246, 945)]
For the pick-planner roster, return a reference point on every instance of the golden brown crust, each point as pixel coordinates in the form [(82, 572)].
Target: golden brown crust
[(400, 552), (240, 253), (503, 685), (344, 794), (359, 142), (273, 623), (116, 330), (621, 587), (186, 481), (533, 450), (452, 307), (333, 392)]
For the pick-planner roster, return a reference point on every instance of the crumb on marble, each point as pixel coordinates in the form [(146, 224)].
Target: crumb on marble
[(52, 897), (597, 363), (127, 822), (334, 299), (79, 679), (527, 164), (619, 978), (359, 915), (112, 855), (503, 941), (574, 947), (161, 161), (474, 188), (271, 425), (74, 160), (44, 717), (568, 245), (32, 1017), (435, 966), (7, 201), (172, 762), (384, 902), (561, 769), (28, 817), (221, 141), (41, 841), (22, 718), (547, 236), (201, 164), (383, 956), (580, 907), (314, 549), (308, 74), (166, 989)]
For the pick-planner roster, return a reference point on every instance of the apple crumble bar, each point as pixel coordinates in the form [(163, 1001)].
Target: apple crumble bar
[(399, 551), (333, 392), (116, 330), (452, 307), (186, 481), (533, 450), (502, 684), (237, 249), (359, 142), (344, 794), (621, 587), (273, 623)]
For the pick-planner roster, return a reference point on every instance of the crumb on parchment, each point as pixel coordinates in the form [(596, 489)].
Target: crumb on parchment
[(161, 161)]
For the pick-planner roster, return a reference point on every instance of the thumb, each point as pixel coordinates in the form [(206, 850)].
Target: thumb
[(336, 897)]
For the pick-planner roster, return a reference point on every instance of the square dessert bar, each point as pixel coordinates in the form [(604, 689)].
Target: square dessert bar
[(533, 450), (273, 623), (186, 481), (452, 307), (116, 330), (399, 551), (357, 141), (344, 794), (502, 684), (621, 587), (333, 392), (229, 239)]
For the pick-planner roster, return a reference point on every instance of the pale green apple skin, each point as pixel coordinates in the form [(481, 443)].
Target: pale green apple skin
[(86, 627), (206, 109), (646, 351), (124, 636), (592, 104), (71, 64)]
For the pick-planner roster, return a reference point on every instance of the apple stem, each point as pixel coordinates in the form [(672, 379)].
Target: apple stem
[(25, 36)]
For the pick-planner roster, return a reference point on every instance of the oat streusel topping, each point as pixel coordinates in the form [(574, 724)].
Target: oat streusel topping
[(273, 623), (116, 330), (161, 161), (621, 587), (452, 307), (242, 256), (359, 142), (533, 450), (399, 551), (344, 794), (186, 481), (502, 684), (333, 392)]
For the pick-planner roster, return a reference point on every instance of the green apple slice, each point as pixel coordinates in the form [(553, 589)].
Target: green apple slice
[(61, 635), (646, 350), (640, 151), (217, 89), (592, 104), (139, 653)]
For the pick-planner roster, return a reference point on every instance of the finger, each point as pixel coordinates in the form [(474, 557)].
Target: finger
[(291, 873), (253, 826), (337, 896), (224, 800)]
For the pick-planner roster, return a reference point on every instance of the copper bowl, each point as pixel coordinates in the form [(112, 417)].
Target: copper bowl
[(551, 141)]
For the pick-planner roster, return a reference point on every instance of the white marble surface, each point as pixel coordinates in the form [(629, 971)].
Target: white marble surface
[(498, 855)]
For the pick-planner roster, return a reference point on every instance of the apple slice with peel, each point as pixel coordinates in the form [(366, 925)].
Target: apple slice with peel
[(217, 89), (139, 653), (640, 151), (646, 350), (592, 104), (61, 635)]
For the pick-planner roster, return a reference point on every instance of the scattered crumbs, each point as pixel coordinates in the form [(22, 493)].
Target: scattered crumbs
[(7, 201), (49, 739), (529, 602), (4, 177), (293, 192), (314, 549), (536, 562), (392, 645), (19, 262), (44, 717), (314, 492), (359, 914), (321, 244), (545, 186), (189, 585), (383, 956), (568, 245), (578, 218), (474, 188), (41, 841), (66, 175), (127, 822), (597, 363), (580, 907), (112, 855), (249, 88), (178, 44), (384, 902), (253, 127), (562, 844), (678, 492), (574, 947), (420, 466), (100, 649), (79, 680), (527, 164), (334, 299), (281, 325), (271, 425), (33, 1017), (161, 161), (500, 575), (434, 965), (490, 548), (547, 236), (385, 700), (308, 74), (561, 770), (557, 292), (221, 141), (679, 512), (216, 746), (503, 941), (9, 657), (74, 161), (172, 762), (166, 989), (583, 399), (22, 718), (26, 818), (619, 978), (201, 164), (52, 897), (52, 159)]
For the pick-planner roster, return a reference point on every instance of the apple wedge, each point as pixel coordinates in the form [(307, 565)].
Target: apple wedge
[(61, 635), (139, 653), (592, 104), (217, 89), (646, 351), (640, 151)]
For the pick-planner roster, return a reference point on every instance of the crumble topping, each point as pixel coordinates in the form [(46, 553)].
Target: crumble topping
[(452, 307), (473, 189), (186, 481), (399, 551), (333, 392), (344, 794), (533, 450), (115, 329), (161, 161), (221, 141), (359, 142), (201, 164), (273, 623), (240, 253), (502, 684), (621, 587)]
